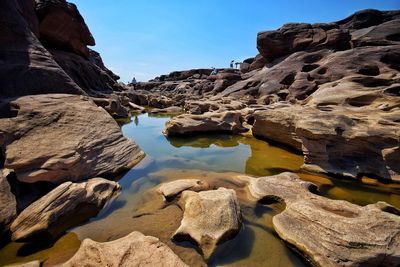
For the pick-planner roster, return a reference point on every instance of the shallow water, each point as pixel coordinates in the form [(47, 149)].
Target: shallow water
[(217, 159)]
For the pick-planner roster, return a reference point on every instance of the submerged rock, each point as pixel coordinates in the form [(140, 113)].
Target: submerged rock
[(174, 188), (58, 138), (65, 206), (331, 232), (186, 124), (210, 218), (135, 249)]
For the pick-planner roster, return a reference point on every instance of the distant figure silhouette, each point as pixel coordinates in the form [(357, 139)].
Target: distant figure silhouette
[(214, 71), (133, 83), (238, 64), (232, 62)]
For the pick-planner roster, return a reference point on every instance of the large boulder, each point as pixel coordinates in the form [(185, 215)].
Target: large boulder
[(136, 250), (331, 232), (65, 206), (186, 124), (344, 141), (210, 218), (27, 67), (58, 138), (61, 25), (299, 37)]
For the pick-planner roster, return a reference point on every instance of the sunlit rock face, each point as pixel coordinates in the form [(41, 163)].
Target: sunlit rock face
[(331, 232), (57, 138)]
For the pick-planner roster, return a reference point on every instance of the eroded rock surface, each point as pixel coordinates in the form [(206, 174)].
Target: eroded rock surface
[(186, 124), (65, 206), (172, 189), (59, 138), (331, 232), (135, 249), (8, 203), (210, 218)]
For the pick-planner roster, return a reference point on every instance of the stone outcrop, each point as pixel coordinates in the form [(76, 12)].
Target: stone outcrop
[(57, 138), (135, 249), (174, 188), (27, 67), (65, 206), (43, 47), (186, 124), (331, 232), (8, 203), (61, 25), (210, 218), (344, 141)]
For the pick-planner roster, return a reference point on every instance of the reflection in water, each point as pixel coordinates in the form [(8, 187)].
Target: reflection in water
[(217, 159)]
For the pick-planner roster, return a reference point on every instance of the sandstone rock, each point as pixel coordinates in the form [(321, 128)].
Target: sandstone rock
[(299, 37), (65, 206), (210, 218), (169, 110), (136, 108), (174, 188), (135, 249), (92, 143), (61, 25), (8, 203), (186, 124), (330, 232), (92, 78), (277, 126), (343, 141), (160, 101), (27, 67)]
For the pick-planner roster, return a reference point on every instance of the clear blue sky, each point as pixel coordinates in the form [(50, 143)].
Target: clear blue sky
[(146, 38)]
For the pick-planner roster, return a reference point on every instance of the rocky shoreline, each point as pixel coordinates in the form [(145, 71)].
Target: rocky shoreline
[(329, 91)]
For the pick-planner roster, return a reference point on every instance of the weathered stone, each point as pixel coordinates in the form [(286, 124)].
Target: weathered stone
[(58, 138), (8, 203), (186, 124), (169, 110), (27, 67), (136, 108), (330, 232), (65, 206), (61, 25), (135, 249), (174, 188), (210, 218), (344, 141)]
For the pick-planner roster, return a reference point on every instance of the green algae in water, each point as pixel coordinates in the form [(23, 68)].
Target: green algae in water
[(215, 158)]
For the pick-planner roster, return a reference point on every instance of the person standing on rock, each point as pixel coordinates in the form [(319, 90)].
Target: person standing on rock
[(231, 65), (214, 71), (133, 83)]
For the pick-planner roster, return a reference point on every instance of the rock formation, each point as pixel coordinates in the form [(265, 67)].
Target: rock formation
[(331, 232), (135, 250), (58, 138), (8, 203), (65, 206), (328, 90), (43, 46), (174, 188), (210, 218), (187, 124)]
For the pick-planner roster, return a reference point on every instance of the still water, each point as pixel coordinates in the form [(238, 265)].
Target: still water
[(217, 159)]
